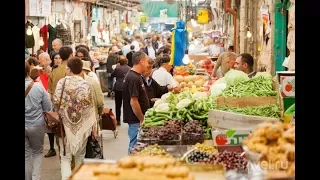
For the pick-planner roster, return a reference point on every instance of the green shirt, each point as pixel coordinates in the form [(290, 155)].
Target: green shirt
[(56, 74)]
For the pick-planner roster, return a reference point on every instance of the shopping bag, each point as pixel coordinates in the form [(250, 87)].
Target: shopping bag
[(93, 149)]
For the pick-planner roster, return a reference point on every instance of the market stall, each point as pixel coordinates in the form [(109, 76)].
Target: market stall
[(231, 129)]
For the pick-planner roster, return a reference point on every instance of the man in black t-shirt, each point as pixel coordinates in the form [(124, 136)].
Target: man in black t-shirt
[(135, 99), (129, 55)]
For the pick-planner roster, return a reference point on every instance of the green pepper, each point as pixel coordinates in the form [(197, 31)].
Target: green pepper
[(156, 119), (178, 116), (205, 107), (200, 106), (189, 117), (205, 116), (171, 114), (163, 113)]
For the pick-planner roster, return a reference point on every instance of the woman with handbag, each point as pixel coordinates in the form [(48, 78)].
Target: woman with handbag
[(73, 101), (37, 102)]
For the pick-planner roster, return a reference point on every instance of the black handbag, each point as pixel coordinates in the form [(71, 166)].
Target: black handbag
[(93, 149)]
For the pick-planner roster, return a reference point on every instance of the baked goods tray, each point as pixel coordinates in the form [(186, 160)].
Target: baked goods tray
[(207, 172), (91, 162), (199, 171)]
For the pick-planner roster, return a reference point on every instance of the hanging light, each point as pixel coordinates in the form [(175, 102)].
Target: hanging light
[(249, 35), (186, 59), (41, 43), (29, 31)]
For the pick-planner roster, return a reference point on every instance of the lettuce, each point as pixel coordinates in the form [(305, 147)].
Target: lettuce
[(163, 107), (234, 76), (169, 98), (183, 103)]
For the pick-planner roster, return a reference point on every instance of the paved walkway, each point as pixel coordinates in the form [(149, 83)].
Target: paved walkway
[(113, 149)]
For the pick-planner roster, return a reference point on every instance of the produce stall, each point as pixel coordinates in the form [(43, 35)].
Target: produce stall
[(225, 114)]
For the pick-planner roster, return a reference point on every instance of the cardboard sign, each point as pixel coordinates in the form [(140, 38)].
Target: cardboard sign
[(228, 137)]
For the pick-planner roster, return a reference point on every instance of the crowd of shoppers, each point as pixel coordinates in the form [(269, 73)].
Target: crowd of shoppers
[(71, 75)]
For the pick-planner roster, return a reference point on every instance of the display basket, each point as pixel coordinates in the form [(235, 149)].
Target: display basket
[(176, 140), (192, 138), (146, 140)]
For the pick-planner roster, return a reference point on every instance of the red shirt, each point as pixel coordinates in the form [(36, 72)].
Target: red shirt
[(44, 78)]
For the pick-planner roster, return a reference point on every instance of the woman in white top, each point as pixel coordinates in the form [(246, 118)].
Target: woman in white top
[(162, 75)]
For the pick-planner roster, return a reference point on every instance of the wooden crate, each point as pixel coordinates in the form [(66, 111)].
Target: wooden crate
[(230, 120), (243, 102)]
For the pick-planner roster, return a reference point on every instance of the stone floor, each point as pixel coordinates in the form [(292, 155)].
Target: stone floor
[(113, 149)]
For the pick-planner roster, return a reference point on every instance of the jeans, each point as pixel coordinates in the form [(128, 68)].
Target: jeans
[(66, 160), (33, 144), (118, 101), (133, 132), (110, 82)]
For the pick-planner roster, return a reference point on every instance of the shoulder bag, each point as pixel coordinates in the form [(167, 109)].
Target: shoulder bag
[(54, 121), (28, 89)]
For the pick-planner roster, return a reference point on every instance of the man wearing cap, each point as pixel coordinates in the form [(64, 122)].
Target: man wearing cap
[(150, 50), (98, 98)]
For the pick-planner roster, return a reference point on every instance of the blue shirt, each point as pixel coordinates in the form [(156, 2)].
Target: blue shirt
[(36, 102)]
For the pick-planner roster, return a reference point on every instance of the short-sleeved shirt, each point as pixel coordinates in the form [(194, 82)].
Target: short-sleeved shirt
[(163, 77), (133, 86)]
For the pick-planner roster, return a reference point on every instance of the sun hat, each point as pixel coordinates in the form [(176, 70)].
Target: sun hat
[(86, 65)]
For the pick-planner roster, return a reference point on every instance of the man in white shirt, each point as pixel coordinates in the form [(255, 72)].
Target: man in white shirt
[(126, 48), (150, 50), (162, 75), (135, 42)]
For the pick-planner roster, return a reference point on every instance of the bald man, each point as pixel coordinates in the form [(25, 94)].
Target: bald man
[(56, 45)]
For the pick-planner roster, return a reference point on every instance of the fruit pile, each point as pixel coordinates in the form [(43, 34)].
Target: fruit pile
[(184, 70), (170, 133), (150, 132), (153, 150), (207, 64), (231, 160), (139, 147), (192, 133), (206, 148)]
